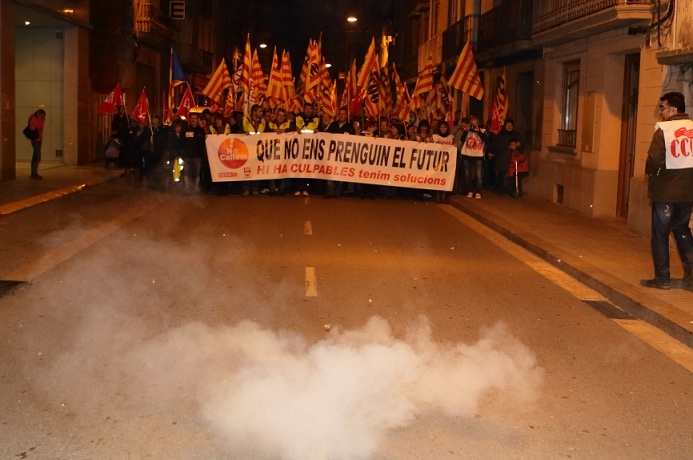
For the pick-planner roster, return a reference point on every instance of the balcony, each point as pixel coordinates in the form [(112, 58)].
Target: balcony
[(455, 37), (434, 47), (507, 23), (194, 60), (153, 26), (561, 22)]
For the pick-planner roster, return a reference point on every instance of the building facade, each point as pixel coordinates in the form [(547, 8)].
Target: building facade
[(583, 80), (65, 56)]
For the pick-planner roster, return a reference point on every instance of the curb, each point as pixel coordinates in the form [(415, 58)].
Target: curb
[(665, 317)]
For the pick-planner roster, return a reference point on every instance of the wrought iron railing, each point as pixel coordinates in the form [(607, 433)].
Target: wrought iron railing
[(552, 13), (434, 47), (508, 22), (455, 36), (567, 137), (150, 19)]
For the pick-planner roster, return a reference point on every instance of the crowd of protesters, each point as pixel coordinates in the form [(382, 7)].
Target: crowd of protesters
[(152, 154)]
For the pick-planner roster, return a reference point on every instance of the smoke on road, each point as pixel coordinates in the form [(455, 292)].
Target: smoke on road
[(273, 392)]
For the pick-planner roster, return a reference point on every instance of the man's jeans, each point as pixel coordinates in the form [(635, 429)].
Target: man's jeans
[(666, 218)]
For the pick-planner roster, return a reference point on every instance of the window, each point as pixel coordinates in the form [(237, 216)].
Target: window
[(569, 106)]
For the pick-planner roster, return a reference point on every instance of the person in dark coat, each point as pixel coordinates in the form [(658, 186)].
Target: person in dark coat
[(499, 148), (669, 167)]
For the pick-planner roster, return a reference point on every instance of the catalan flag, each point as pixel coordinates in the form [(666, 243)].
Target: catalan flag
[(466, 75), (369, 61), (220, 80), (424, 83), (274, 89)]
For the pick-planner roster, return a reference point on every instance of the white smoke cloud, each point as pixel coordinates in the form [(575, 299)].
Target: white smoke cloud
[(277, 395), (272, 393)]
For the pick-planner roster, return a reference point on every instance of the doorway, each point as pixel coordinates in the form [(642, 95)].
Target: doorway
[(629, 120)]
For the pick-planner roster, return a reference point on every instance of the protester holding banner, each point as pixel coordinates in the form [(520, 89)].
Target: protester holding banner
[(253, 124), (194, 149), (443, 136), (340, 126), (472, 148)]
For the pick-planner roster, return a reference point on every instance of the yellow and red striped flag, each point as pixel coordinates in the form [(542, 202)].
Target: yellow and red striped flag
[(220, 80), (274, 89), (326, 90), (244, 82), (466, 75), (258, 86), (372, 91), (385, 90), (288, 89), (369, 61), (424, 83), (314, 74)]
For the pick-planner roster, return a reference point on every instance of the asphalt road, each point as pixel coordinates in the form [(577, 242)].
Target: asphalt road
[(162, 326)]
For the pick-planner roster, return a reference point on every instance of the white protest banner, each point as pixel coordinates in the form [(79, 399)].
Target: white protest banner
[(338, 157)]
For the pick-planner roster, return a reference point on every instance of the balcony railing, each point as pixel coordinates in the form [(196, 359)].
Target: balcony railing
[(195, 60), (434, 47), (549, 14), (150, 20), (508, 22), (455, 36)]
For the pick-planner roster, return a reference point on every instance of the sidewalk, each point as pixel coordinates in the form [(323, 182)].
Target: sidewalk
[(601, 254), (58, 180)]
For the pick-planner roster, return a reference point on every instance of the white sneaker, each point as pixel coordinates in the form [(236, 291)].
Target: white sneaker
[(477, 196), (470, 195), (297, 193), (305, 193)]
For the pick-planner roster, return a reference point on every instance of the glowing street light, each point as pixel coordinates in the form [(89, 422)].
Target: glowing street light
[(352, 19)]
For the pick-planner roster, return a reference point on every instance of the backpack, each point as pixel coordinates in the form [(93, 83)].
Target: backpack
[(31, 134)]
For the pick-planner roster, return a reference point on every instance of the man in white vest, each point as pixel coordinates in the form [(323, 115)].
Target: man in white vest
[(670, 169)]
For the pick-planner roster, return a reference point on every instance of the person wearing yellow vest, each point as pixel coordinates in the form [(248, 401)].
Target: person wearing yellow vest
[(669, 168)]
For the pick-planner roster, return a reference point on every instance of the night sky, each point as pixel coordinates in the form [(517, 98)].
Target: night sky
[(289, 24)]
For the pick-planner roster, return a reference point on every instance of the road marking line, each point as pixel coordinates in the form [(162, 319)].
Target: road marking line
[(68, 250), (659, 340), (311, 282), (654, 337), (307, 228), (38, 199)]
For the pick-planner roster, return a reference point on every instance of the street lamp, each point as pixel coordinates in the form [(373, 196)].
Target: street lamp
[(352, 19)]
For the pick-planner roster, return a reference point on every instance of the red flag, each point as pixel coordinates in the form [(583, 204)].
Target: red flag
[(141, 112), (499, 107), (114, 99), (466, 75), (424, 83), (220, 80), (326, 90), (187, 103)]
